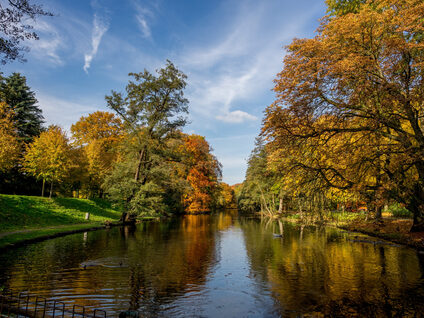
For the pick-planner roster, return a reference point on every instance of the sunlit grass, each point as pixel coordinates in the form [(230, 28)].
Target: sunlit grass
[(26, 212)]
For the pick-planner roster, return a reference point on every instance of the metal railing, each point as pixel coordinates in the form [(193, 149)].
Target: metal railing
[(33, 306)]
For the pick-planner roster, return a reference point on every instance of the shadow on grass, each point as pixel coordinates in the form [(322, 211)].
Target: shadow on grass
[(96, 207), (20, 211)]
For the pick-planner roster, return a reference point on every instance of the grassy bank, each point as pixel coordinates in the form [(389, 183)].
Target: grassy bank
[(24, 218)]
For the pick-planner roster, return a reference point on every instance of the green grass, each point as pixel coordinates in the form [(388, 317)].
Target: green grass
[(39, 233), (24, 218), (26, 212)]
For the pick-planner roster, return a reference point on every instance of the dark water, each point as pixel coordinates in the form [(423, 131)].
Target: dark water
[(222, 266)]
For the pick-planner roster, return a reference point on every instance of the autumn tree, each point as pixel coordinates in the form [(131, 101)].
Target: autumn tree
[(48, 157), (98, 135), (14, 18), (204, 172), (359, 80), (153, 110), (341, 7), (9, 145), (225, 197)]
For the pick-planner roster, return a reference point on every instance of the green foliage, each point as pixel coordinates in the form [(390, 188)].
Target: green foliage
[(341, 217), (28, 116), (400, 211), (342, 7), (153, 111), (260, 188), (27, 121)]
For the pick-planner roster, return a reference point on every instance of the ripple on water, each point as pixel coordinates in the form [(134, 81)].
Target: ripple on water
[(221, 266)]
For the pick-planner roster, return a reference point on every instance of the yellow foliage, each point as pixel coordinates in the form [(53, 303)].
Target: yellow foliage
[(48, 156), (9, 145)]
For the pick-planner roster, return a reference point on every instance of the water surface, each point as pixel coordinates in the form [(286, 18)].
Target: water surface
[(222, 266)]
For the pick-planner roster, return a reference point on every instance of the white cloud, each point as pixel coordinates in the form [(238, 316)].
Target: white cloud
[(143, 26), (142, 15), (236, 116), (63, 112), (100, 26), (49, 43), (238, 67)]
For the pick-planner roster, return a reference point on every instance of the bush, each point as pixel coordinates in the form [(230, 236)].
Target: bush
[(400, 211)]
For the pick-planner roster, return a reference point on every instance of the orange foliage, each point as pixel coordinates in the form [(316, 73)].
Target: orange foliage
[(202, 174)]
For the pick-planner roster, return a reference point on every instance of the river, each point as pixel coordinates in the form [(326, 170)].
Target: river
[(222, 265)]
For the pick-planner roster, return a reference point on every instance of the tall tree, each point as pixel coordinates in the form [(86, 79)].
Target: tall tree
[(153, 110), (14, 18), (365, 71), (258, 191), (204, 172), (48, 157), (99, 135), (28, 117)]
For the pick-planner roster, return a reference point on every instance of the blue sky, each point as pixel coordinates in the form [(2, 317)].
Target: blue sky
[(230, 50)]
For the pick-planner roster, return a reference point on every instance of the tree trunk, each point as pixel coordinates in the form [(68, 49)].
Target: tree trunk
[(139, 162), (51, 189), (299, 202), (280, 206), (42, 190), (378, 211), (416, 206)]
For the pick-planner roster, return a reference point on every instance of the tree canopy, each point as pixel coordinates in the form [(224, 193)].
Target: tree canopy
[(349, 104), (153, 110), (48, 156), (28, 117), (15, 28)]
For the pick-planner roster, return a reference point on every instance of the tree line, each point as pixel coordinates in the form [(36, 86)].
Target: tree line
[(347, 121), (136, 156)]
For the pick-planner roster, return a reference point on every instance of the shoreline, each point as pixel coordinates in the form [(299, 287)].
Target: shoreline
[(55, 232), (397, 237), (60, 231)]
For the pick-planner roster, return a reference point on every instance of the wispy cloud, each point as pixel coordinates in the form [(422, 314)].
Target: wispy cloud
[(142, 16), (236, 116), (238, 66), (100, 26), (143, 26), (50, 42)]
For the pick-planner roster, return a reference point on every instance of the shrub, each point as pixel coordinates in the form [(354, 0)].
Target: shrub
[(400, 211)]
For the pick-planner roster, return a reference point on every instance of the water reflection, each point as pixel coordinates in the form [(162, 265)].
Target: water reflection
[(320, 271), (222, 265)]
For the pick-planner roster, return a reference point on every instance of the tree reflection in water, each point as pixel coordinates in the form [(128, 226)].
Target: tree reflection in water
[(221, 265), (318, 271)]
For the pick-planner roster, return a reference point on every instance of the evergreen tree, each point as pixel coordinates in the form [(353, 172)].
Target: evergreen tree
[(28, 117)]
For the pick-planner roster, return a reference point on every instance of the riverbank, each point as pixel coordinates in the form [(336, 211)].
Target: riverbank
[(390, 229), (396, 230), (25, 219)]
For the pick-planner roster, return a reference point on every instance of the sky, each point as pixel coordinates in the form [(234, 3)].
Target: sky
[(231, 51)]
